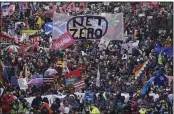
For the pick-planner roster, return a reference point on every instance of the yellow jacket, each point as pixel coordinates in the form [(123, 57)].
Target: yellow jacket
[(94, 110), (39, 21), (142, 111)]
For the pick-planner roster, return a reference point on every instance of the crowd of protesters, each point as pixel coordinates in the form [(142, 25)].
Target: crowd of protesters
[(116, 73)]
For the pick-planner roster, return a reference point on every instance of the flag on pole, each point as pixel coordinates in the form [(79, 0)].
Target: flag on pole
[(140, 70), (65, 68), (48, 28), (75, 73), (98, 78), (35, 82), (25, 71), (146, 86), (79, 85)]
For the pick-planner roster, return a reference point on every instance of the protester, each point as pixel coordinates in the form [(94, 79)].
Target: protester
[(131, 76)]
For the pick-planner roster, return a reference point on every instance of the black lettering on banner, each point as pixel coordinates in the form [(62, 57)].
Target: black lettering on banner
[(87, 21), (77, 23), (74, 31), (90, 33), (87, 27), (98, 35), (82, 33), (99, 20)]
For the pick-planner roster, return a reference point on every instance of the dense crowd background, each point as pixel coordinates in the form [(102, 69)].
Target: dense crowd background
[(116, 74)]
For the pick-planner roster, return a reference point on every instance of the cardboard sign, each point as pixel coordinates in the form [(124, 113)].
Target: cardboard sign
[(22, 83), (104, 42)]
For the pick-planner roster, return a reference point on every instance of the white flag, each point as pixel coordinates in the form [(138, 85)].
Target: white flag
[(98, 78), (24, 37), (23, 83), (65, 68)]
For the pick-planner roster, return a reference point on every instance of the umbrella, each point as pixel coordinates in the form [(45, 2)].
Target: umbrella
[(50, 72), (131, 89), (12, 48)]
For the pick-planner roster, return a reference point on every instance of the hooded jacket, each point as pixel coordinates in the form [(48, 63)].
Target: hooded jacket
[(5, 102)]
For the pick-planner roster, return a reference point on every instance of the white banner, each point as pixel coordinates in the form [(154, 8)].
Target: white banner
[(59, 24), (22, 83), (104, 42), (115, 26)]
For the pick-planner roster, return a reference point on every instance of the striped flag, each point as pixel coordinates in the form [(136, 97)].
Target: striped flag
[(98, 78), (140, 70), (48, 79), (79, 85), (36, 81)]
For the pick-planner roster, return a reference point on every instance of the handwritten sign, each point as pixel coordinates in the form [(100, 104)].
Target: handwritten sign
[(22, 83), (87, 27)]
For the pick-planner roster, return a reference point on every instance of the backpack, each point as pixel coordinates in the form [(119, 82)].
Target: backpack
[(44, 110)]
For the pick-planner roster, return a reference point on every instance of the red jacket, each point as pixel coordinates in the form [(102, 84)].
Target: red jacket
[(5, 102), (47, 106)]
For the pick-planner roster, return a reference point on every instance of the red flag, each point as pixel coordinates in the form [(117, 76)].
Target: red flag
[(75, 73), (63, 41), (71, 7)]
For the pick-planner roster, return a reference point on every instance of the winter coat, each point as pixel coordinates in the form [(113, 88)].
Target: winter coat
[(5, 102), (46, 105)]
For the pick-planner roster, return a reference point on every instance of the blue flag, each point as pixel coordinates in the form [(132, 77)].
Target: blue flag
[(89, 97), (14, 80), (157, 49), (160, 80), (48, 28), (168, 51), (146, 85)]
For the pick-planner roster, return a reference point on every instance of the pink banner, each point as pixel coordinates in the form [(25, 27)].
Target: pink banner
[(63, 41)]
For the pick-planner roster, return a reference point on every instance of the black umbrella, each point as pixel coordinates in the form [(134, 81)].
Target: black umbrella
[(131, 89)]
